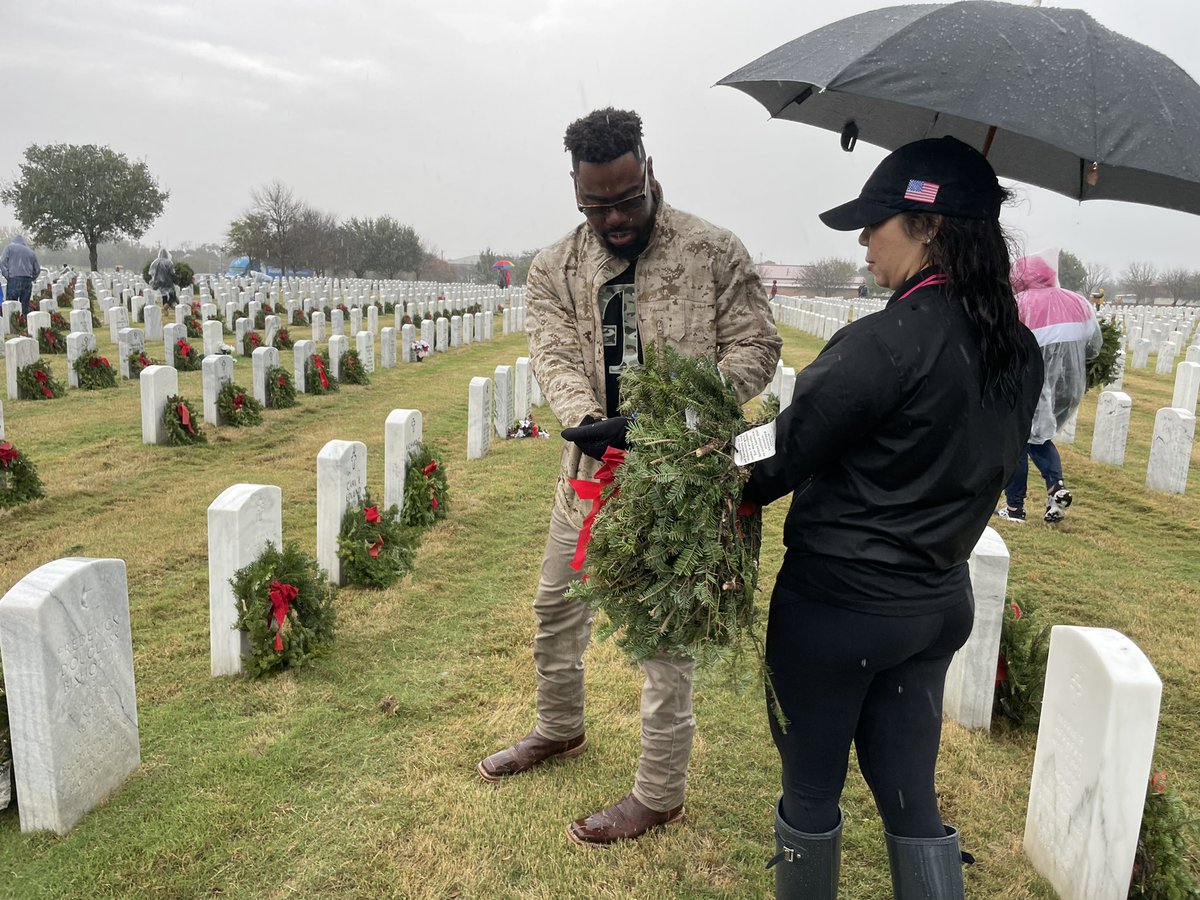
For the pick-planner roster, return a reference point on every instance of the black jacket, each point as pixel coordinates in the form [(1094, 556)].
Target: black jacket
[(896, 458)]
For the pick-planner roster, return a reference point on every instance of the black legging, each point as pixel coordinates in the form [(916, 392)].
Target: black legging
[(843, 675)]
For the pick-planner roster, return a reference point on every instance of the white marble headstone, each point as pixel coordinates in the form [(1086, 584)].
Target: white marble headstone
[(78, 343), (504, 414), (215, 373), (318, 326), (36, 323), (338, 344), (153, 316), (1090, 768), (401, 434), (1141, 353), (442, 333), (116, 317), (262, 361), (1187, 384), (19, 352), (1112, 428), (387, 347), (155, 385), (365, 345), (479, 417), (408, 334), (523, 377), (301, 352), (971, 678), (241, 521), (1170, 450), (270, 330), (356, 319), (81, 320), (341, 482), (337, 326), (427, 333), (787, 386), (68, 674)]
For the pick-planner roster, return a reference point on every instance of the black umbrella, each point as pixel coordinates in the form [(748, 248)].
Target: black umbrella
[(1052, 97)]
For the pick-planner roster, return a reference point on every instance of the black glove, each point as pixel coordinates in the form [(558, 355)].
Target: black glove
[(593, 438)]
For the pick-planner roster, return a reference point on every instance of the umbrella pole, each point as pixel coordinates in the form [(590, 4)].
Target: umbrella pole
[(987, 141)]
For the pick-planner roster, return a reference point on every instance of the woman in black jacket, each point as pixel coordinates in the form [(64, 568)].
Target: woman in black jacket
[(897, 442)]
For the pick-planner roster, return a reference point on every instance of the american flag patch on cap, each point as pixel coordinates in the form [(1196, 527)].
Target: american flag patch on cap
[(921, 191)]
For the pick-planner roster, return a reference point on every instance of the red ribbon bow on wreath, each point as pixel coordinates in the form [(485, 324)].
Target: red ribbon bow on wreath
[(371, 513), (594, 491), (239, 401), (185, 417), (8, 454), (376, 547), (185, 348), (320, 365), (282, 596), (429, 470)]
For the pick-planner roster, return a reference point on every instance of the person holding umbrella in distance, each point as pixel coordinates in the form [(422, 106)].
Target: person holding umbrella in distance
[(898, 440)]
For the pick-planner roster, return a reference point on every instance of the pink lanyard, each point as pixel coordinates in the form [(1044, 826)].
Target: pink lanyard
[(932, 279)]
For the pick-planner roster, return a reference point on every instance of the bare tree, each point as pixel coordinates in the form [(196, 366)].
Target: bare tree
[(1096, 275), (827, 275), (317, 240), (1138, 278), (1177, 282), (277, 204)]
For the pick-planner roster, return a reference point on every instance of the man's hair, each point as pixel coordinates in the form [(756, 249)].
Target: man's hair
[(604, 135)]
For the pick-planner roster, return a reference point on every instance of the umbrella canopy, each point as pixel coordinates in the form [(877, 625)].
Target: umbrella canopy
[(1059, 91), (502, 264)]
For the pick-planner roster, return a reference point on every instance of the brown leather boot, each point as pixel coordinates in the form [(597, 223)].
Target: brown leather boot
[(531, 750), (626, 819)]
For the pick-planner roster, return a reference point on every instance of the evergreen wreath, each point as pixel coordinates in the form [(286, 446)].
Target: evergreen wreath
[(285, 605), (186, 357), (36, 382), (251, 342), (238, 408), (19, 482), (316, 375), (17, 324), (260, 318), (94, 372), (52, 340), (426, 491), (298, 317), (281, 391), (180, 420), (374, 547), (58, 322), (139, 360), (671, 563), (1162, 860), (350, 369), (1103, 369), (1021, 668), (283, 340), (194, 327)]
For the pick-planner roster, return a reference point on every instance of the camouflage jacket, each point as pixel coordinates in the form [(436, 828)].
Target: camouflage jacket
[(694, 281)]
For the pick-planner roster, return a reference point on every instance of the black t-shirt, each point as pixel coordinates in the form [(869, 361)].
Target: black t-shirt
[(622, 343)]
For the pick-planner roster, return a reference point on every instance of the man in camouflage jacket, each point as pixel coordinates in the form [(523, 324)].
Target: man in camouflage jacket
[(634, 270)]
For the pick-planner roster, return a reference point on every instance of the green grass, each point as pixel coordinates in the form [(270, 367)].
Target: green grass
[(355, 778)]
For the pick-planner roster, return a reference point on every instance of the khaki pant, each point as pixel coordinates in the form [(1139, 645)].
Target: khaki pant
[(564, 628)]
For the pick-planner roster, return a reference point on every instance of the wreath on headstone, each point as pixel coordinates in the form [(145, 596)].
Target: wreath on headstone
[(137, 361), (351, 370), (94, 372), (52, 340), (671, 562), (19, 482), (17, 324), (298, 317), (285, 605), (426, 491), (316, 376), (36, 382), (281, 391), (238, 408), (252, 341), (283, 340), (58, 322), (180, 421), (1161, 862), (1103, 368), (193, 325), (260, 317), (374, 547), (186, 357), (1021, 668)]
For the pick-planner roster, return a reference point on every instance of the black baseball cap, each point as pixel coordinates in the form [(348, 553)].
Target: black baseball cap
[(936, 175)]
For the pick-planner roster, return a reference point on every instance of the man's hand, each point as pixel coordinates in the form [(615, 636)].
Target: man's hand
[(593, 438)]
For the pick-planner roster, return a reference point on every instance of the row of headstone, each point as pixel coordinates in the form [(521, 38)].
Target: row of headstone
[(821, 316), (1095, 736)]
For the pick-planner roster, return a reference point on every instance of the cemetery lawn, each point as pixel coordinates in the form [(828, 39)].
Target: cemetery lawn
[(356, 777)]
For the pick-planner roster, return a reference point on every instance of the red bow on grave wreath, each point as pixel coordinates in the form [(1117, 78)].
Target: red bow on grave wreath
[(594, 491), (429, 470), (371, 514), (239, 401), (320, 365), (376, 547), (185, 348), (8, 454), (41, 378), (185, 417), (282, 596)]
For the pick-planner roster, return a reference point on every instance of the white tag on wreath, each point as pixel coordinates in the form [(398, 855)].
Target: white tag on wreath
[(754, 445)]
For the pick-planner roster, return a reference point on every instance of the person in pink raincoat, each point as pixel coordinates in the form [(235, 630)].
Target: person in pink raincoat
[(1066, 329)]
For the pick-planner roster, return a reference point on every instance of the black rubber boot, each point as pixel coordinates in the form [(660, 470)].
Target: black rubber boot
[(806, 865), (926, 868)]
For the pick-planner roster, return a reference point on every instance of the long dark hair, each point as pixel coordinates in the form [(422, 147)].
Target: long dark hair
[(975, 256)]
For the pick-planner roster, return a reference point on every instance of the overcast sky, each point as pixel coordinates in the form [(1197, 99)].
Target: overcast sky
[(449, 114)]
